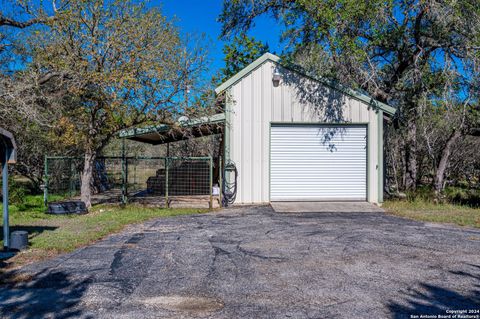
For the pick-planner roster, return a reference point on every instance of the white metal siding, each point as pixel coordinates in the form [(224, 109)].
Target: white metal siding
[(318, 162), (254, 102)]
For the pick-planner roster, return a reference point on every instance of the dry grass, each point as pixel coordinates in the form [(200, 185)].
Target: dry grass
[(438, 213)]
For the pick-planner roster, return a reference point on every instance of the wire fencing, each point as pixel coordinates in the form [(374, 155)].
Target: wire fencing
[(153, 180)]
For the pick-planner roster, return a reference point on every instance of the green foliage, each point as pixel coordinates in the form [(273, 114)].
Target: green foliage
[(384, 47), (453, 194), (463, 196), (32, 205), (239, 53), (116, 64), (16, 192)]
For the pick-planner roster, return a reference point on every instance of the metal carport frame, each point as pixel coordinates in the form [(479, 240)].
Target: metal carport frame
[(8, 155)]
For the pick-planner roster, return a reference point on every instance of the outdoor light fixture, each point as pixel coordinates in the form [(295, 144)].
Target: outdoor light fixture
[(276, 77)]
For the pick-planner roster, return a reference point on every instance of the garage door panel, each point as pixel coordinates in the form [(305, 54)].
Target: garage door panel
[(316, 162)]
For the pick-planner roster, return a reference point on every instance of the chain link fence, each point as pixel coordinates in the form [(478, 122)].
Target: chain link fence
[(160, 181)]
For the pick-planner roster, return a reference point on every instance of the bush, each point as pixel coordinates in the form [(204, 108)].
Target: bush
[(452, 194), (423, 193), (463, 196), (17, 193)]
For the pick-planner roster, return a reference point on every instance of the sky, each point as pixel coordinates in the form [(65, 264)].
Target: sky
[(200, 17)]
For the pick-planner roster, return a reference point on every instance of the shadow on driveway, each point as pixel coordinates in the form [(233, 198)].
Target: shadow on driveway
[(430, 299), (48, 294)]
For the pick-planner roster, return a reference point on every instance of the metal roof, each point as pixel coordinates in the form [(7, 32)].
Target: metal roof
[(7, 144), (336, 86), (166, 133)]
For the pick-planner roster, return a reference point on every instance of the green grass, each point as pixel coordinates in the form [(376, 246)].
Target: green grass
[(53, 234), (427, 211)]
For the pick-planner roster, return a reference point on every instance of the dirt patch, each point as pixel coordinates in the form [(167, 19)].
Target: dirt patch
[(188, 304)]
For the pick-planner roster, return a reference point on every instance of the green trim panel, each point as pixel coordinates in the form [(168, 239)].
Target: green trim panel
[(380, 156)]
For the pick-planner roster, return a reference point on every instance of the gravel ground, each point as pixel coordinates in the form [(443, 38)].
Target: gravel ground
[(251, 262)]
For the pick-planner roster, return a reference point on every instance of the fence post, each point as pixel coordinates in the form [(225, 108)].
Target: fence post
[(124, 175), (220, 181), (167, 164), (72, 180), (211, 183), (45, 182)]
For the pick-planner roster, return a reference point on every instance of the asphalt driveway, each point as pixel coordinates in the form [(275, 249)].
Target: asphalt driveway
[(254, 263)]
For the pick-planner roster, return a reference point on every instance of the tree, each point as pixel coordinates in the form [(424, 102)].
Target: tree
[(239, 53), (32, 138), (394, 50), (107, 66)]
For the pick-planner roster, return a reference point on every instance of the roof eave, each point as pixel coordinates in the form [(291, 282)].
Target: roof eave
[(245, 71), (135, 132), (387, 109)]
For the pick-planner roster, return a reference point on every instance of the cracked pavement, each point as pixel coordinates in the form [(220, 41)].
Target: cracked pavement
[(250, 262)]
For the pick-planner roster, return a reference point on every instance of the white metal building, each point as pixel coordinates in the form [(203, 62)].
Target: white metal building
[(294, 138)]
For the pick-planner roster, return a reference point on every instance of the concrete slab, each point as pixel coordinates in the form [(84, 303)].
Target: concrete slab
[(325, 207)]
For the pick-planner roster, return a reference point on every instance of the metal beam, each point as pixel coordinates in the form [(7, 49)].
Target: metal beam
[(6, 230)]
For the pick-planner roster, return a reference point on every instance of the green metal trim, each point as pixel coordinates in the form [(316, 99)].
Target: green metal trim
[(133, 132), (227, 133), (220, 179), (228, 126), (369, 158), (367, 124), (332, 84), (270, 162), (248, 69), (380, 156)]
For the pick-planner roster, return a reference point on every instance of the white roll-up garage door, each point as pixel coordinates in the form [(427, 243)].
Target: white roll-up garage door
[(318, 162)]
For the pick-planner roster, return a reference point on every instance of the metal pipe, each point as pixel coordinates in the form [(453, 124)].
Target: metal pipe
[(124, 175), (6, 230), (220, 180), (45, 182), (167, 164), (211, 183)]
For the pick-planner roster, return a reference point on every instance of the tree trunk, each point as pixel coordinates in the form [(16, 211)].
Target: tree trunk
[(87, 175), (443, 164), (411, 155)]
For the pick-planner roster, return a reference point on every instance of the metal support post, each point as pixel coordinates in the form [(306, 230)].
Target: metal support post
[(45, 182), (6, 229), (167, 164), (211, 183), (124, 175), (220, 180)]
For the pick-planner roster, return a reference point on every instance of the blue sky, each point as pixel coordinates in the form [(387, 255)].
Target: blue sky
[(200, 17)]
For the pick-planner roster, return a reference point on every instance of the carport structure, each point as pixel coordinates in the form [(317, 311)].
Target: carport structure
[(292, 137), (8, 155), (180, 175)]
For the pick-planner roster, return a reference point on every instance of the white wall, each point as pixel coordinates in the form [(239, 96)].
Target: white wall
[(253, 103)]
